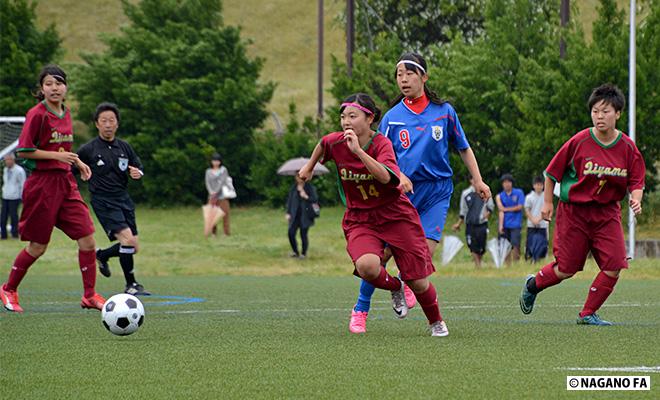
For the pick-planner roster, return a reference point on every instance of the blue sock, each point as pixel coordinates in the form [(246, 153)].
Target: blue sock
[(364, 299)]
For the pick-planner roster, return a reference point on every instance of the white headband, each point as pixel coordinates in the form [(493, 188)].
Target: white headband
[(411, 63)]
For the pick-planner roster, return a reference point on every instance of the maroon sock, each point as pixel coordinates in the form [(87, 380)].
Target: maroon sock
[(546, 277), (87, 261), (386, 281), (19, 269), (599, 291), (429, 303)]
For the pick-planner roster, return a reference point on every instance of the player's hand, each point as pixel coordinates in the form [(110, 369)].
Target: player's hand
[(288, 217), (546, 211), (66, 157), (636, 206), (483, 190), (85, 171), (500, 230), (352, 140), (134, 173), (456, 227), (305, 173), (405, 183)]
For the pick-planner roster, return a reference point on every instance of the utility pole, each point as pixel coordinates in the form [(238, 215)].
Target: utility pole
[(319, 111), (632, 104), (350, 35), (564, 12)]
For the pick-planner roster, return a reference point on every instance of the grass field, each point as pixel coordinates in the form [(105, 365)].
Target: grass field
[(236, 318)]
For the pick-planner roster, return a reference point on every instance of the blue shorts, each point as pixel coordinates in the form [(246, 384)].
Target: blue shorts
[(431, 199)]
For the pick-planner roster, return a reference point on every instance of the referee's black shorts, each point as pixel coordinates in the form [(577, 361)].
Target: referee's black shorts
[(115, 213), (475, 236)]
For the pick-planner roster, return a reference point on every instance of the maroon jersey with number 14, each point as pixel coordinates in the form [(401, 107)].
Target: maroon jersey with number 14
[(359, 188), (592, 172)]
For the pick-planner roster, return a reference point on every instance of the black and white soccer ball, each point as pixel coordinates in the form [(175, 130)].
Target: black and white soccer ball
[(122, 314)]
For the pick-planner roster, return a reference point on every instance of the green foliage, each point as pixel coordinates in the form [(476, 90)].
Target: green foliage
[(185, 87), (417, 24), (517, 100), (272, 151), (24, 50)]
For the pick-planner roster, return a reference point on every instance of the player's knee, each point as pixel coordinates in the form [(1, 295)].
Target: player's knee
[(418, 285), (87, 243), (36, 250), (612, 274), (368, 267)]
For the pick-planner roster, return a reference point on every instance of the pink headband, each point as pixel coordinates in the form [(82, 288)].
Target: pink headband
[(356, 105)]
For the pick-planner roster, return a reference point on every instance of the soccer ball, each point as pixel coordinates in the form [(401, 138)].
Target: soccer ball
[(122, 314)]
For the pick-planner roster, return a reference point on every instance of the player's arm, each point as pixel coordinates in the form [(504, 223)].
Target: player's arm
[(635, 201), (62, 156), (500, 214), (134, 164), (470, 161), (306, 171), (548, 190), (378, 170)]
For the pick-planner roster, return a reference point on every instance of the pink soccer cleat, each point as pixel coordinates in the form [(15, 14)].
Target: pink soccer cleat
[(411, 300), (358, 323), (10, 300), (94, 302)]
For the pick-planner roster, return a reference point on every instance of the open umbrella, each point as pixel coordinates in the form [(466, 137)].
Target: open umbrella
[(450, 247), (499, 248), (294, 165)]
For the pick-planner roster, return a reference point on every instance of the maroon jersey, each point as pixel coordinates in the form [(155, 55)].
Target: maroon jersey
[(359, 189), (592, 172), (45, 130)]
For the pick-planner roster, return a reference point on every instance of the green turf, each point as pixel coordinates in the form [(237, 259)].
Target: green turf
[(287, 337), (274, 327)]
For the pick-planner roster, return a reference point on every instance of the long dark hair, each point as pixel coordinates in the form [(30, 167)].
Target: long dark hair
[(433, 97), (56, 72), (365, 101)]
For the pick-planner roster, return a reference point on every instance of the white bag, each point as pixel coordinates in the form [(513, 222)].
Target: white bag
[(450, 247), (228, 191)]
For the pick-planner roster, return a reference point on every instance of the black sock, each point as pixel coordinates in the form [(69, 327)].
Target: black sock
[(112, 251), (531, 286), (126, 261)]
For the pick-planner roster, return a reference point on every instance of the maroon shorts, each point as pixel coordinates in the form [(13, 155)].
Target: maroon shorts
[(396, 224), (51, 199), (581, 228)]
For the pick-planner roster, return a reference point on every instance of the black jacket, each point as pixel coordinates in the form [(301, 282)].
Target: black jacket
[(295, 204)]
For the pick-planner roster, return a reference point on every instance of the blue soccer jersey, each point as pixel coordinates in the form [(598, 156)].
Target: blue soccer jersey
[(421, 141)]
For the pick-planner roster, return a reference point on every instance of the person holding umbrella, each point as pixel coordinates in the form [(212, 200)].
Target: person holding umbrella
[(301, 204), (300, 214)]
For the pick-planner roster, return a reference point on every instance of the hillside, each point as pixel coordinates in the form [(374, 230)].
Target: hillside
[(283, 32)]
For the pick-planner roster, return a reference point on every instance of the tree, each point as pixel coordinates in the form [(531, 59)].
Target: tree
[(417, 24), (24, 50), (185, 87)]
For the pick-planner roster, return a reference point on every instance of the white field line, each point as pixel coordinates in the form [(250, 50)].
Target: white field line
[(643, 369), (344, 309)]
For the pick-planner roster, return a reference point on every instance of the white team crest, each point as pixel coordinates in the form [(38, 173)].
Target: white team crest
[(123, 164), (437, 132)]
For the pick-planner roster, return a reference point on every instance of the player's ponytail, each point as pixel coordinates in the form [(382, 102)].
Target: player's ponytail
[(416, 63), (53, 70), (364, 101)]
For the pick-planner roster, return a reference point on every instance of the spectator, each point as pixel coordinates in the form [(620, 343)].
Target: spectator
[(300, 214), (13, 178), (474, 212), (221, 189), (537, 228), (510, 202)]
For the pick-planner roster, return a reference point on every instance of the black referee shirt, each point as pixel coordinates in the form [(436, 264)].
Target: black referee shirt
[(109, 163)]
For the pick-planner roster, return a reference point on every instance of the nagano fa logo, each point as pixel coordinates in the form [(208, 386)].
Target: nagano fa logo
[(437, 132)]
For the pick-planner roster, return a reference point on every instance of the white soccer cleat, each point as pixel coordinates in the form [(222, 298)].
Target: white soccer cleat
[(399, 302), (439, 329)]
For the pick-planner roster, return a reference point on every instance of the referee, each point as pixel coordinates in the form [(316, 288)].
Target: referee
[(113, 161)]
